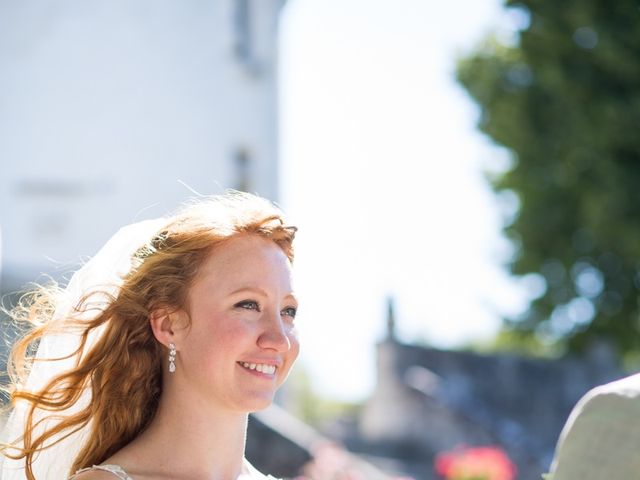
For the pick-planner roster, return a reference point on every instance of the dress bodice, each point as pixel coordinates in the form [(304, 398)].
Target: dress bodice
[(115, 469), (122, 475)]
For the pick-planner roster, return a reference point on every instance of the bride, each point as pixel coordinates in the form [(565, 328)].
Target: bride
[(149, 362)]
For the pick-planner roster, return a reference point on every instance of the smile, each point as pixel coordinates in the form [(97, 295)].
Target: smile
[(260, 367)]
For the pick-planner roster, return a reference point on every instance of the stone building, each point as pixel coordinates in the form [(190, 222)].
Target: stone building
[(116, 111), (428, 401)]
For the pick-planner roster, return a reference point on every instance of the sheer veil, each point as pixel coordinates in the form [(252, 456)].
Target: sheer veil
[(104, 272)]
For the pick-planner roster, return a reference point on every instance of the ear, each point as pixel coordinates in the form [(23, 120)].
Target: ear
[(167, 325)]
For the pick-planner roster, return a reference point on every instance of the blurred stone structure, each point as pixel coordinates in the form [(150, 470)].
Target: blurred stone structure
[(278, 443), (117, 111), (283, 445), (429, 400)]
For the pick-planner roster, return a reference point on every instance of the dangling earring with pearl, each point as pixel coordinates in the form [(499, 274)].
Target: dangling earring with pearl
[(172, 357)]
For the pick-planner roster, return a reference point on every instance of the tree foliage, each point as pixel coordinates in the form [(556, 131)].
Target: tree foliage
[(565, 100)]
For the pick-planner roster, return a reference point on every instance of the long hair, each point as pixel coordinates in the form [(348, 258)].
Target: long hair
[(122, 368)]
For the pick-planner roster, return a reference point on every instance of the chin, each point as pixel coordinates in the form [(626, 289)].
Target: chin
[(258, 402)]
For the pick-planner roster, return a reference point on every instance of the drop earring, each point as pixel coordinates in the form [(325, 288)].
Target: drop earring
[(172, 357)]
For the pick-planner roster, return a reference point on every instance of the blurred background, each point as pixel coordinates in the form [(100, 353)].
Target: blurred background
[(464, 175)]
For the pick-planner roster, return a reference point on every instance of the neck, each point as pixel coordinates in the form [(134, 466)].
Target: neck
[(191, 439)]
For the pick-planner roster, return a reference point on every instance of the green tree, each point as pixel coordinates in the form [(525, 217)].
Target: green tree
[(565, 100)]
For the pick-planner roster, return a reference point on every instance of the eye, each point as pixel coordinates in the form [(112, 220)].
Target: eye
[(290, 312), (248, 305)]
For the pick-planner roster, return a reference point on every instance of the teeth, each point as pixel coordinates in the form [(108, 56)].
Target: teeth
[(260, 367)]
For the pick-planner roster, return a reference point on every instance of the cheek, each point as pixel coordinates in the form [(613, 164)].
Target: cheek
[(232, 339), (220, 336), (295, 344)]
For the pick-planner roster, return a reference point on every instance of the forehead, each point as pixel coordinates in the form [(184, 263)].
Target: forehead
[(246, 259)]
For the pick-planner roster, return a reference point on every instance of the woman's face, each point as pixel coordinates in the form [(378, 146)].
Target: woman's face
[(242, 341)]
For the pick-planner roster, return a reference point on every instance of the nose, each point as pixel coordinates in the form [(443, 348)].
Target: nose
[(274, 335)]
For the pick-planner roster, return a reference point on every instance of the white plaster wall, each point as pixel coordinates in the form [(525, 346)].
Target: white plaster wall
[(105, 105)]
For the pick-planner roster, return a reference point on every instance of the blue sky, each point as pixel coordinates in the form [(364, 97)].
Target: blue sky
[(382, 171)]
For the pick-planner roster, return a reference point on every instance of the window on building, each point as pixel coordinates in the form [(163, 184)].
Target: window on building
[(242, 168), (242, 31)]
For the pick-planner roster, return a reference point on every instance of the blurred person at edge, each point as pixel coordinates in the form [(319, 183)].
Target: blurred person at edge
[(601, 439)]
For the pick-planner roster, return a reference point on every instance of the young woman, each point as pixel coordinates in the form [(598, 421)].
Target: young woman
[(149, 362)]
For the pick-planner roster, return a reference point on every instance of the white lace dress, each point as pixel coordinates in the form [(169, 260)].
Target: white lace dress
[(122, 475), (115, 469)]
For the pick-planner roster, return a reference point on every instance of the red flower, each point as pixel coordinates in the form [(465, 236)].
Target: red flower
[(475, 463)]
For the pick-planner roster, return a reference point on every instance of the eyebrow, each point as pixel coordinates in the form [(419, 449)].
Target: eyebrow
[(261, 292)]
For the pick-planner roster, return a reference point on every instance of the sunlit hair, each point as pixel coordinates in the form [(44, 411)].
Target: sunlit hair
[(123, 368)]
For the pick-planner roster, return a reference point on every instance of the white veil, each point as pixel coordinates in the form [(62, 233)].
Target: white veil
[(105, 272)]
